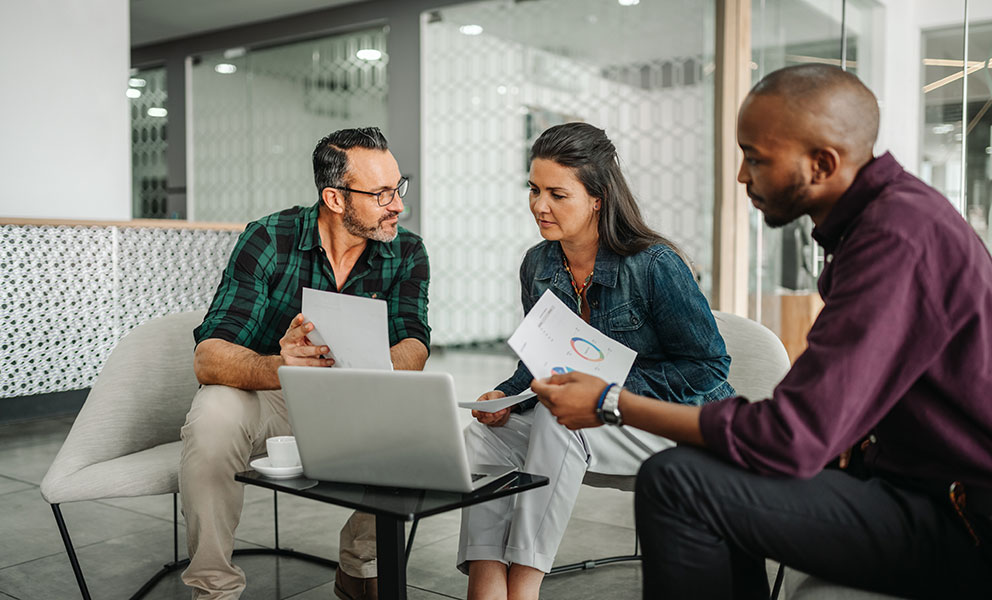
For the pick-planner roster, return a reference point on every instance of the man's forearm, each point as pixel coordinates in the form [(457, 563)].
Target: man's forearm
[(408, 355), (219, 362), (677, 422)]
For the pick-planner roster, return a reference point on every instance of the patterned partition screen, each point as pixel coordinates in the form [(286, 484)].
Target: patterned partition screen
[(70, 293), (496, 74)]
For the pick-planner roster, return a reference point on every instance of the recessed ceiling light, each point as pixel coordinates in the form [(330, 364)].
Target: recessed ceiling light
[(628, 2), (137, 82), (133, 93), (234, 52), (157, 111), (471, 29), (369, 54), (225, 68)]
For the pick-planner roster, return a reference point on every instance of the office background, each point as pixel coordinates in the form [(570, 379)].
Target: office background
[(139, 137)]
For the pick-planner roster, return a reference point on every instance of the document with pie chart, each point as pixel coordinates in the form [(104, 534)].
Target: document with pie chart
[(553, 339)]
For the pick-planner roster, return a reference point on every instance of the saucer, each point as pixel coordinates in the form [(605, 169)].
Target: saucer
[(265, 468)]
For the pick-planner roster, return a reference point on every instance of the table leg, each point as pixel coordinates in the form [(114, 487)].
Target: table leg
[(389, 535)]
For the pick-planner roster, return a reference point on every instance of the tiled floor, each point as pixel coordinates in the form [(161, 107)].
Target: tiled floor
[(122, 542)]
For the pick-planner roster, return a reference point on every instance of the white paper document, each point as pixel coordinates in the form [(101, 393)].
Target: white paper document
[(353, 327), (553, 339), (498, 404)]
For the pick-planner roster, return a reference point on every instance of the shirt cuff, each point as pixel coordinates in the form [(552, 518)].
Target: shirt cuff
[(715, 419)]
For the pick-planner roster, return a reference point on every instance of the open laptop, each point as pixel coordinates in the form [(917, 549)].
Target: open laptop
[(388, 428)]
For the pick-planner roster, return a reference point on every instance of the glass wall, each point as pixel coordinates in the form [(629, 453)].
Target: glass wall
[(945, 133), (496, 74), (257, 114), (147, 93), (785, 262)]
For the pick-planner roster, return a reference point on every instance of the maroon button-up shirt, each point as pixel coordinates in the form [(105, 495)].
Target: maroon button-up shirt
[(901, 352)]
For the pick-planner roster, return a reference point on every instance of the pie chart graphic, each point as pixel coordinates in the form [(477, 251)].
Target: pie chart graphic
[(587, 350)]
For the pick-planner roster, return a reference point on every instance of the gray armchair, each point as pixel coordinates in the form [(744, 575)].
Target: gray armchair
[(125, 441)]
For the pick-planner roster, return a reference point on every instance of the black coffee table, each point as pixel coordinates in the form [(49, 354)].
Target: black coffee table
[(392, 508)]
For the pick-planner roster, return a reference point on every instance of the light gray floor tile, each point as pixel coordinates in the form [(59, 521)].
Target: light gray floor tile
[(326, 592), (30, 461), (621, 580), (34, 534), (8, 485), (159, 507), (590, 540), (603, 505), (113, 568), (304, 525), (432, 567), (437, 528), (116, 568), (34, 433)]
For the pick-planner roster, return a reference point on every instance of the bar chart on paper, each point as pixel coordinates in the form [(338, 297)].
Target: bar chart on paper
[(553, 339)]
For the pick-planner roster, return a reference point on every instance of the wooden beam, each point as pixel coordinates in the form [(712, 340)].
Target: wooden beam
[(730, 214)]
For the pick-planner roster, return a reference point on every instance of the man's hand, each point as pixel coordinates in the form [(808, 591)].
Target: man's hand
[(494, 419), (295, 348), (571, 397)]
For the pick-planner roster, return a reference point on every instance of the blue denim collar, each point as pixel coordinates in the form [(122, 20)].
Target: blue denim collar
[(603, 273)]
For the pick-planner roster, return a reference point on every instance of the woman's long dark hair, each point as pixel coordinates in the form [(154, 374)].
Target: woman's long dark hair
[(586, 149)]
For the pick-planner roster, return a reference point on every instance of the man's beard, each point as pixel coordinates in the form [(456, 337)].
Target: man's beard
[(359, 229), (791, 202)]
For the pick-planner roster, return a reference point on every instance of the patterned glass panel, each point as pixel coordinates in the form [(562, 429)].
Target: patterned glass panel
[(258, 114), (96, 284), (148, 93), (496, 74)]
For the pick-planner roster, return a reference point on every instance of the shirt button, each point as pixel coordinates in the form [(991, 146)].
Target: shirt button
[(594, 303)]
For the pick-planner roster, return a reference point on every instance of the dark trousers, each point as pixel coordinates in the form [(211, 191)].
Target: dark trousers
[(706, 527)]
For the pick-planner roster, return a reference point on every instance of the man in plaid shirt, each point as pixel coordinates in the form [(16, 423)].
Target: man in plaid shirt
[(349, 242)]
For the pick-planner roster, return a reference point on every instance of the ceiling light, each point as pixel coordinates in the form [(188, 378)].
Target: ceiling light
[(470, 29), (137, 82), (369, 54), (225, 68), (628, 2), (133, 93), (157, 111), (235, 52)]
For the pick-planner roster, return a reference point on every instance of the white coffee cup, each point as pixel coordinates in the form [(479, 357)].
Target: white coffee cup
[(283, 451)]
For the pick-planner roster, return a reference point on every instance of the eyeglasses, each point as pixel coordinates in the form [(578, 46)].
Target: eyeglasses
[(385, 197)]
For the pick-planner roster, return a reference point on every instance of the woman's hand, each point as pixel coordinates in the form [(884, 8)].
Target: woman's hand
[(493, 419), (571, 398)]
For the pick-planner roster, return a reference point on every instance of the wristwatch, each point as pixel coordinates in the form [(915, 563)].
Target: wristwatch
[(609, 413)]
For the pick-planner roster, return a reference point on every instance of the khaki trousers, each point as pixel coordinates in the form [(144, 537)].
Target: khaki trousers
[(225, 427)]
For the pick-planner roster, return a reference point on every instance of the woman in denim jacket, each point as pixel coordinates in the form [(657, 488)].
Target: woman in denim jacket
[(604, 262)]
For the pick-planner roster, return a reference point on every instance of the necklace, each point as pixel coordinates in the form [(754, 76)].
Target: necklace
[(571, 279)]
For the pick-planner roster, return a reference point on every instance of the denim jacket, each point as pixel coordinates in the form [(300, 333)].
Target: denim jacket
[(649, 302)]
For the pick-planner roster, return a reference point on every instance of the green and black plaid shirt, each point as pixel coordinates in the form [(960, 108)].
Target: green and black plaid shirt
[(277, 256)]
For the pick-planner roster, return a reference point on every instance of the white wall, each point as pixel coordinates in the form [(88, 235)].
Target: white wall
[(65, 143)]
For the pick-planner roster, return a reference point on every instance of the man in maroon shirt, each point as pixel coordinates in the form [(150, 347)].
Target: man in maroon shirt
[(898, 369)]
